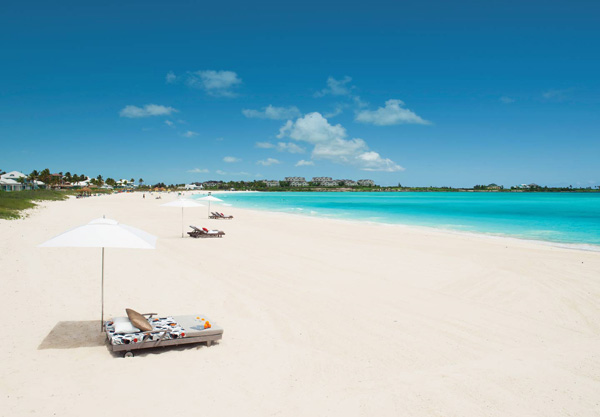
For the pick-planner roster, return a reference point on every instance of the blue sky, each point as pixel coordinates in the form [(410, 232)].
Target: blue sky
[(434, 93)]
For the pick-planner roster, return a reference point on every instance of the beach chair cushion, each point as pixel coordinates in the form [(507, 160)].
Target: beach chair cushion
[(175, 331), (138, 320), (123, 325), (205, 229)]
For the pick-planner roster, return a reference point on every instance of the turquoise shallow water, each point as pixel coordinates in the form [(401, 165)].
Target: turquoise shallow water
[(556, 217)]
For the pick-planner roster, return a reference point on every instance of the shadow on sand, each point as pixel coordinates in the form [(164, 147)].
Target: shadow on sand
[(74, 334)]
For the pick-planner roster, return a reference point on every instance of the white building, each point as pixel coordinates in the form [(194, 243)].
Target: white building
[(329, 183), (272, 183), (10, 185), (17, 181), (366, 183), (84, 183), (292, 179), (349, 183), (193, 187), (321, 179), (298, 183)]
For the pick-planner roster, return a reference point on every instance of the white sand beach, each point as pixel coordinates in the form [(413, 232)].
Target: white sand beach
[(321, 317)]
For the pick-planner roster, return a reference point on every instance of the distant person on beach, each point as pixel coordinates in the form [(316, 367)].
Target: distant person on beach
[(144, 195)]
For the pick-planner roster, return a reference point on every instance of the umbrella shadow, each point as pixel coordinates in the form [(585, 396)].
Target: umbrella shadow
[(73, 335)]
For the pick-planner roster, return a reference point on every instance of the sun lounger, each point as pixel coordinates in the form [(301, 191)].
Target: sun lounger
[(220, 216), (166, 331), (197, 233)]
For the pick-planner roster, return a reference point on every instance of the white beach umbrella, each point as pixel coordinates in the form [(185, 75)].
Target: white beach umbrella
[(210, 198), (182, 202), (103, 233)]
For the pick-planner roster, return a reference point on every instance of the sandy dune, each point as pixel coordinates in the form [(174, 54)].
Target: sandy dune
[(321, 317)]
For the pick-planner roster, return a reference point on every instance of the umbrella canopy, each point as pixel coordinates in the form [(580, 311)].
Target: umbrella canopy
[(182, 202), (103, 233), (209, 198)]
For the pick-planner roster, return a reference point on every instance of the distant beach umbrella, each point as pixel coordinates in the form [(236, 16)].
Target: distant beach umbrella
[(182, 202), (103, 233), (209, 198)]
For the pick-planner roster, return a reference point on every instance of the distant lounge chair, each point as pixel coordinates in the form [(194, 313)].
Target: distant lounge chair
[(217, 215), (166, 331), (196, 233)]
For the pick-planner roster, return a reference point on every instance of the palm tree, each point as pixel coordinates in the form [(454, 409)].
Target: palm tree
[(132, 180), (99, 180), (140, 181)]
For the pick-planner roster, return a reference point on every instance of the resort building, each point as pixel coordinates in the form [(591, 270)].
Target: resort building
[(298, 184), (211, 184), (10, 185), (17, 181), (321, 179), (349, 183), (366, 183), (329, 183), (193, 186), (272, 183), (493, 187), (11, 181), (295, 179), (84, 183)]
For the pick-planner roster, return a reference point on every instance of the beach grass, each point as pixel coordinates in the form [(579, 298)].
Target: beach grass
[(13, 203)]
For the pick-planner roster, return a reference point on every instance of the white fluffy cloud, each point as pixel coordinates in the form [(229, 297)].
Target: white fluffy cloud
[(336, 87), (198, 170), (169, 123), (264, 145), (189, 134), (215, 83), (507, 100), (231, 159), (290, 147), (330, 143), (273, 113), (170, 77), (302, 163), (148, 110), (268, 161), (392, 114)]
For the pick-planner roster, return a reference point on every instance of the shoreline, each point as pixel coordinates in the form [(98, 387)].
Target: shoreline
[(585, 247), (588, 247)]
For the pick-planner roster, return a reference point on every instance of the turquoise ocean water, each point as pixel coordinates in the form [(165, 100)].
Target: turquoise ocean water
[(572, 218)]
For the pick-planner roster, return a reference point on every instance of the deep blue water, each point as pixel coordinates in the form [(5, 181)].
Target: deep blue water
[(556, 217)]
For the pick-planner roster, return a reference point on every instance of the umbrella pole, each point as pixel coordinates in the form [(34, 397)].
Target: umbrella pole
[(181, 221), (102, 316), (208, 214)]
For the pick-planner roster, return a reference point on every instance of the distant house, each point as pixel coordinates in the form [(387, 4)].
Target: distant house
[(10, 185), (321, 179), (533, 185), (272, 183), (193, 187), (349, 183), (493, 186), (211, 184), (366, 183), (329, 183), (298, 183), (292, 179), (17, 181), (84, 183)]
